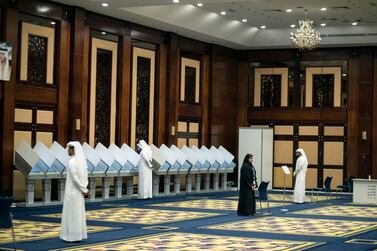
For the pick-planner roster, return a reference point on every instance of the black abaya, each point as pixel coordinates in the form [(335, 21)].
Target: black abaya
[(246, 200)]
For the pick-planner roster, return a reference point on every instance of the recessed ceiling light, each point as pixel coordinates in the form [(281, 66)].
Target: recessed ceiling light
[(103, 33), (223, 13), (105, 4), (244, 20), (52, 22), (354, 23), (200, 4), (175, 1), (344, 74), (288, 10), (263, 27), (292, 25), (323, 9), (323, 24)]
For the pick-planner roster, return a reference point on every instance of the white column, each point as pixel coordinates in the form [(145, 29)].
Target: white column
[(105, 188), (61, 188), (118, 187), (30, 189), (189, 183), (224, 181), (46, 190), (177, 184), (167, 184), (92, 188), (156, 184), (207, 181), (216, 177), (130, 186), (197, 182)]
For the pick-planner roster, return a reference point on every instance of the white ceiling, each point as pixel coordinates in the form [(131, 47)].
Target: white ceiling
[(206, 24)]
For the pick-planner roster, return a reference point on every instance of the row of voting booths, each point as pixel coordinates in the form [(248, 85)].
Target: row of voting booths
[(116, 168)]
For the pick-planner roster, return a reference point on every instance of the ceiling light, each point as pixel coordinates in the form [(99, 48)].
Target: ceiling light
[(292, 25), (175, 1), (200, 4), (103, 33), (288, 10), (354, 23), (305, 38), (223, 13), (344, 74), (244, 20), (52, 22), (323, 9), (323, 24), (105, 4), (263, 27)]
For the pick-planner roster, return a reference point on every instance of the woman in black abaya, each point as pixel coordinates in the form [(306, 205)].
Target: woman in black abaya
[(248, 183)]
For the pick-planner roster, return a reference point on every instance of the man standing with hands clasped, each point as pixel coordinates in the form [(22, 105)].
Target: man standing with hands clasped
[(300, 173)]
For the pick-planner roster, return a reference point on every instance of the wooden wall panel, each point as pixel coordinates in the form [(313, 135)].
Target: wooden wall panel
[(224, 93), (242, 93), (8, 103), (374, 117)]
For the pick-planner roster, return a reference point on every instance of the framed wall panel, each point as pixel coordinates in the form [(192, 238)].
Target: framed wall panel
[(190, 81), (308, 130), (311, 151), (28, 32), (283, 130), (279, 178), (333, 131), (108, 123), (311, 178), (283, 151), (311, 72), (143, 86), (333, 153), (188, 133), (258, 76), (23, 115), (337, 176)]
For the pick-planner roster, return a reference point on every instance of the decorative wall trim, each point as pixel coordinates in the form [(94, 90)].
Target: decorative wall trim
[(271, 71), (310, 71), (42, 31), (139, 52), (111, 46), (194, 64)]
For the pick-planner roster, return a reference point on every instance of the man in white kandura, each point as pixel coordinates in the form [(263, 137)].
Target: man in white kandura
[(73, 227), (300, 173), (145, 171), (5, 68)]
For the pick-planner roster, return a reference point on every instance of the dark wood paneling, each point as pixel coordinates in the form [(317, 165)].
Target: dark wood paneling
[(145, 34), (161, 98), (205, 100), (374, 118), (41, 8), (299, 114), (242, 96), (224, 93), (62, 80), (192, 46), (190, 111), (8, 101), (364, 166), (172, 70), (104, 23), (124, 93), (353, 109), (78, 75)]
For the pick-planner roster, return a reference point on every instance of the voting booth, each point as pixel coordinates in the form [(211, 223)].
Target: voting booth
[(62, 156)]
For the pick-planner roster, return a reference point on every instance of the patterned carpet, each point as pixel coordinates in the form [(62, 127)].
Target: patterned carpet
[(202, 222)]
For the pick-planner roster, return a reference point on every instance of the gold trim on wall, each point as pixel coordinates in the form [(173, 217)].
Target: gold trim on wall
[(23, 115), (194, 64), (311, 151), (139, 52), (283, 130), (310, 71), (308, 130), (283, 151), (271, 71), (45, 117), (41, 31), (333, 153), (113, 47)]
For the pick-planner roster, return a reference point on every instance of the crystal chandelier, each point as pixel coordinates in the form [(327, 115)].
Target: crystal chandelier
[(306, 38)]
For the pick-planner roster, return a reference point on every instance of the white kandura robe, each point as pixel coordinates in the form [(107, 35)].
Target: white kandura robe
[(299, 191), (73, 226), (145, 174)]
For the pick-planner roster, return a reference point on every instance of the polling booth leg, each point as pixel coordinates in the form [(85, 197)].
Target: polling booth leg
[(207, 181), (61, 188), (177, 184), (189, 183), (216, 178), (118, 187), (92, 188), (225, 177), (156, 184), (130, 186), (197, 182), (46, 191), (105, 188), (167, 184), (30, 189)]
